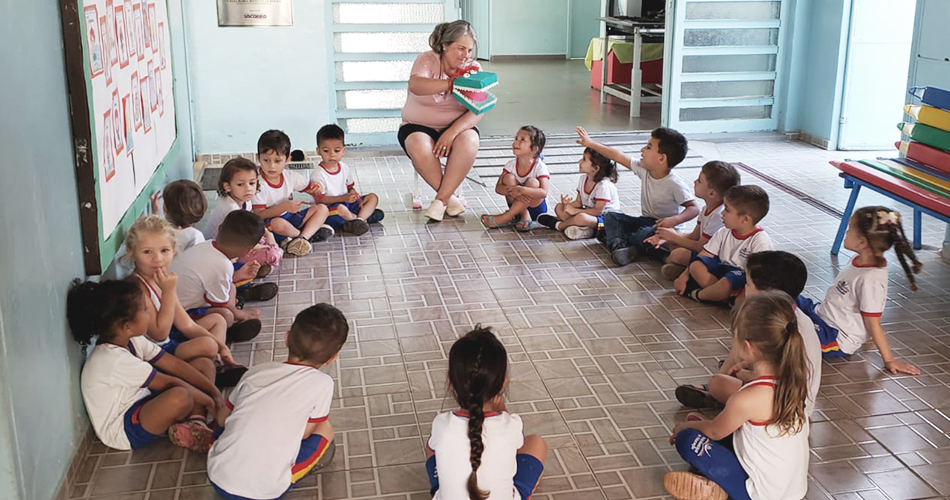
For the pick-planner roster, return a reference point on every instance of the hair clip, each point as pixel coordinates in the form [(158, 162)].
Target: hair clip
[(888, 218)]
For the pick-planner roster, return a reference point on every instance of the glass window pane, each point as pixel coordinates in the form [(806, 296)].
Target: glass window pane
[(383, 13), (371, 99), (733, 10), (373, 71), (371, 125), (704, 64), (387, 42), (708, 90), (721, 37), (725, 113)]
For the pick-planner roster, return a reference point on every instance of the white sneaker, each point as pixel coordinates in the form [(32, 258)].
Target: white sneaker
[(578, 232), (455, 207), (436, 210)]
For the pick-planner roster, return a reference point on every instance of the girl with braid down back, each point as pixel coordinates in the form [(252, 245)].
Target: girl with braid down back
[(501, 463), (853, 305)]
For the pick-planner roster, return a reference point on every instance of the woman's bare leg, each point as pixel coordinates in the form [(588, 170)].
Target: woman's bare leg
[(461, 159)]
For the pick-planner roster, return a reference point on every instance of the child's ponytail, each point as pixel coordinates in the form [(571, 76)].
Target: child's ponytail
[(478, 365), (792, 391), (904, 251), (95, 309)]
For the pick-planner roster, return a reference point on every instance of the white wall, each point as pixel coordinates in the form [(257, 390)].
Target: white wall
[(248, 80)]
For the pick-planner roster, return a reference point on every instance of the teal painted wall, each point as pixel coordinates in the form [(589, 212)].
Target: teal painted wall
[(529, 27), (42, 420), (248, 80), (823, 72)]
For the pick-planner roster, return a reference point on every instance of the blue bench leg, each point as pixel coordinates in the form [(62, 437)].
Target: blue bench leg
[(843, 227), (917, 229)]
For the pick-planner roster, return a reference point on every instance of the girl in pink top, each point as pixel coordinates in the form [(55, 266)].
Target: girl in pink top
[(435, 125)]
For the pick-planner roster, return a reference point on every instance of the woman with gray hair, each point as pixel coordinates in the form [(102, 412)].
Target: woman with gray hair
[(434, 124)]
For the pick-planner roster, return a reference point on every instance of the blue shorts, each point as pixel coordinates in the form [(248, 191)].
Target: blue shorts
[(175, 338), (198, 312), (734, 275), (335, 220), (537, 211), (295, 219), (311, 451), (526, 477), (138, 436), (827, 335)]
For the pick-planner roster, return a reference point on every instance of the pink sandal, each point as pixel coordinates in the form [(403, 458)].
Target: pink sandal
[(193, 434)]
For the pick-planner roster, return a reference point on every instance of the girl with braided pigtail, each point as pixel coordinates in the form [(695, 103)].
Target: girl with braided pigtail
[(502, 463), (851, 311)]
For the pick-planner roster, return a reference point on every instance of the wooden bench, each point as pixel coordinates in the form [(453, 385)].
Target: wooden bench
[(921, 190)]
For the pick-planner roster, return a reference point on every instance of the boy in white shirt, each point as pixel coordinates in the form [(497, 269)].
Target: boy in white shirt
[(665, 199), (205, 275), (278, 429), (714, 180), (294, 229), (718, 272), (333, 186), (184, 205)]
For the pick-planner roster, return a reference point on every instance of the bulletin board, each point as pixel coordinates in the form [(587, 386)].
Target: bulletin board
[(122, 107)]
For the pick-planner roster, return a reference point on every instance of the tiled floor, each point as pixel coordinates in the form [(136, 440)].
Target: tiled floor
[(595, 350)]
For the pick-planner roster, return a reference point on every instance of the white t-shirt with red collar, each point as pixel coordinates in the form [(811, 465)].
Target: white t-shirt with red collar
[(113, 379), (710, 221), (272, 405), (336, 183), (591, 193), (539, 170), (204, 276), (272, 194), (858, 292), (734, 249), (221, 210)]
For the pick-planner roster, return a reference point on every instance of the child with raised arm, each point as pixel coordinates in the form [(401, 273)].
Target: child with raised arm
[(278, 429), (333, 186), (479, 451), (769, 270), (205, 275), (714, 180), (523, 182), (665, 199), (768, 455), (597, 196), (294, 227), (717, 273), (133, 392), (851, 312)]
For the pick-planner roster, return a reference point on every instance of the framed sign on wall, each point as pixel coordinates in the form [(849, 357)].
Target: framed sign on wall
[(255, 13)]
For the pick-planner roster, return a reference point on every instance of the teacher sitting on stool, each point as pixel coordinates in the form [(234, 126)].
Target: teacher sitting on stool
[(435, 124)]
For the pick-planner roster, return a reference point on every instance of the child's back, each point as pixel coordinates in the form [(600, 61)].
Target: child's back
[(204, 276)]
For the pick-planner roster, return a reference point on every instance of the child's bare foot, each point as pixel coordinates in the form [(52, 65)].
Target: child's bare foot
[(687, 486)]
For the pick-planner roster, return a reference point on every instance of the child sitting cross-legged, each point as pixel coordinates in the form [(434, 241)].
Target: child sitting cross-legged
[(294, 226), (851, 312), (715, 178), (596, 197), (665, 199), (523, 182), (767, 455), (205, 275), (133, 392), (333, 186), (479, 450), (717, 273), (278, 429), (769, 270)]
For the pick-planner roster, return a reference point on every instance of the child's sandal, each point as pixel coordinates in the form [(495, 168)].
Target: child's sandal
[(696, 397), (489, 222), (525, 225), (193, 434)]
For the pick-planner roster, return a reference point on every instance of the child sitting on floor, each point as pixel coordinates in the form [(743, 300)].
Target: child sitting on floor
[(133, 392), (665, 199), (596, 197), (205, 273), (479, 449), (151, 246), (767, 456), (523, 182), (184, 205), (293, 228), (714, 180), (333, 186), (770, 270), (717, 273), (237, 185), (278, 429), (853, 306)]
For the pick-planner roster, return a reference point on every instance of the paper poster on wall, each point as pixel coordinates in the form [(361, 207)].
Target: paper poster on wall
[(134, 129), (255, 13)]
